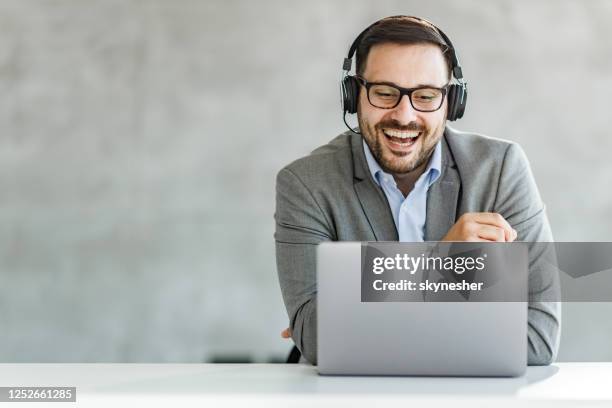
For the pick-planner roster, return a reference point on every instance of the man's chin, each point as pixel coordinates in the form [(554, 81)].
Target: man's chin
[(395, 153), (399, 162), (398, 167)]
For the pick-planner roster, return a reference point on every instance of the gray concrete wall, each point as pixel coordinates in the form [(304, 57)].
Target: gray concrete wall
[(139, 141)]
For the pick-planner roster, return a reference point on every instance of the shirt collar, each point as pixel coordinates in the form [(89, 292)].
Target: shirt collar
[(431, 173)]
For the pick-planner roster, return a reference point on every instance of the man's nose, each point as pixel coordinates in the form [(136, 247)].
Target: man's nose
[(404, 112)]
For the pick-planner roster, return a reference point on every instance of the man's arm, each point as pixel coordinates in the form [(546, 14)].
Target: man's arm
[(519, 202), (300, 225)]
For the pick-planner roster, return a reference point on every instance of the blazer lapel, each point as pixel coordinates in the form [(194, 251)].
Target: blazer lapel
[(371, 197), (442, 198)]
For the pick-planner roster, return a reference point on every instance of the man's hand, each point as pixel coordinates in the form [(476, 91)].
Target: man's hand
[(481, 227), (286, 334)]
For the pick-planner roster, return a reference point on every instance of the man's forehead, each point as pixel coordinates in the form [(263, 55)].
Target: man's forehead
[(406, 65)]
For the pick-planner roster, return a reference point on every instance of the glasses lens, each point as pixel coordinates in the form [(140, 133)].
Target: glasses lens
[(383, 96), (427, 99)]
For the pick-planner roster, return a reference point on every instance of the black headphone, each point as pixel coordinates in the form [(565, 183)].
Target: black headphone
[(457, 93)]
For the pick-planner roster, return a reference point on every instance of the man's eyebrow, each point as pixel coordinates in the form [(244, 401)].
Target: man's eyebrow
[(421, 85)]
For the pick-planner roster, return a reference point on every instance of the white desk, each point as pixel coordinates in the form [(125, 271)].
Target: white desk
[(293, 385)]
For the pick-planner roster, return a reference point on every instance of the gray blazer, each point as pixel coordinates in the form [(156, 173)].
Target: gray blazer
[(330, 195)]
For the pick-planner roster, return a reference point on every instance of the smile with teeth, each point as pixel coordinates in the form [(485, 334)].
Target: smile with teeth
[(402, 138)]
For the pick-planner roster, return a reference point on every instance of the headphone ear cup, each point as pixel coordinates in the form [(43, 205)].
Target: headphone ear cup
[(461, 102), (350, 93), (451, 108), (457, 99)]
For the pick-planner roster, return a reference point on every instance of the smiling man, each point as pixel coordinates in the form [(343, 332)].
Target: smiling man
[(405, 175)]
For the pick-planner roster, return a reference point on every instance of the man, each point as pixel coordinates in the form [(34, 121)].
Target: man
[(408, 177)]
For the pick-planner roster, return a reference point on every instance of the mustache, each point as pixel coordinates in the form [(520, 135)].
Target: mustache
[(394, 124)]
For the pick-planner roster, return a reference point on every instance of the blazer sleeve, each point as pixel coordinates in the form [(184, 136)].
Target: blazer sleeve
[(519, 202), (301, 224)]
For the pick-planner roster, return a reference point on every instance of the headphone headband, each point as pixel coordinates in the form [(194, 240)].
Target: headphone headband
[(455, 66)]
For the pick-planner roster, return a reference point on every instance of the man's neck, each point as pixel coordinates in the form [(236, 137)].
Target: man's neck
[(406, 181)]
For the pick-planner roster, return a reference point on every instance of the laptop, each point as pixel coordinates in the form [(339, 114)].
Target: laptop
[(365, 330)]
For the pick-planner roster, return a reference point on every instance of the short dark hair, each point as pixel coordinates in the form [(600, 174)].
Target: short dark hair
[(403, 30)]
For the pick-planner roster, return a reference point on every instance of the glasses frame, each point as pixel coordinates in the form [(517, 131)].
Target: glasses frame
[(403, 91)]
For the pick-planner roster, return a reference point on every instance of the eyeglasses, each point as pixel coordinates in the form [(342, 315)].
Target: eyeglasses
[(387, 96)]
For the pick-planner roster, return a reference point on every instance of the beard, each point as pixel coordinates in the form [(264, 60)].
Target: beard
[(396, 162)]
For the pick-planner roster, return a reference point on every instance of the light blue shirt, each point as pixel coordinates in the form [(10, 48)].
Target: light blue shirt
[(409, 213)]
